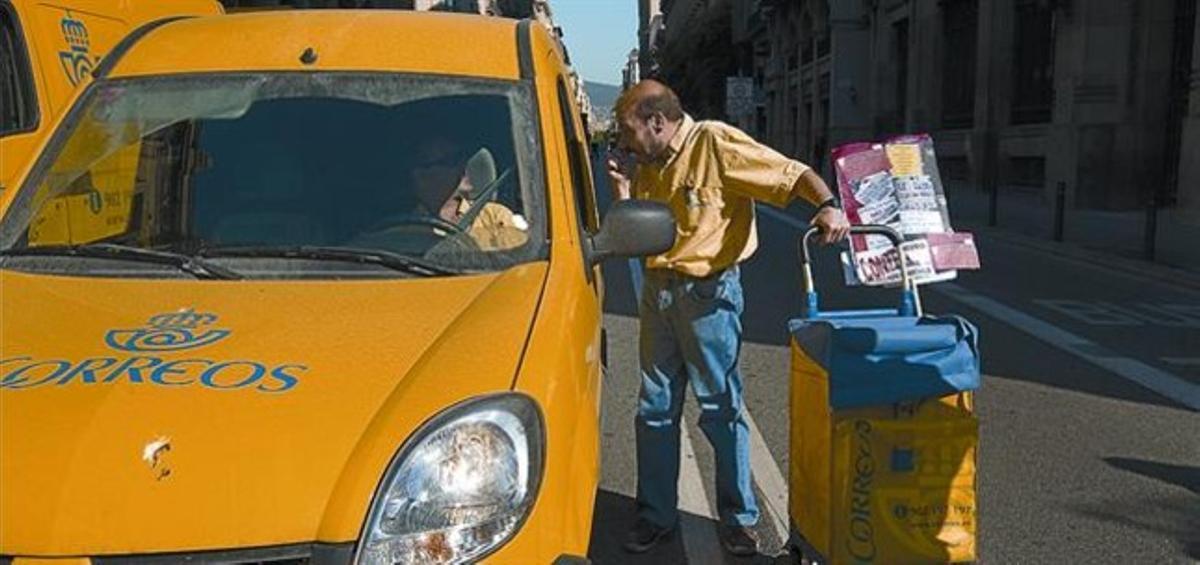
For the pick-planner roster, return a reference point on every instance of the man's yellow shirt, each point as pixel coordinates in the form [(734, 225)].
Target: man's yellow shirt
[(710, 177)]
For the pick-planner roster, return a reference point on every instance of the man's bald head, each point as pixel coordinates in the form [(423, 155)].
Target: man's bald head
[(647, 98), (647, 115)]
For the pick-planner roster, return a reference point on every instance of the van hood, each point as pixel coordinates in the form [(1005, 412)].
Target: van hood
[(152, 416)]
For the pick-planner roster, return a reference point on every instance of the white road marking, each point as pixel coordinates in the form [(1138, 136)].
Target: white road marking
[(1135, 314), (1089, 313), (1158, 381), (696, 513), (691, 487), (1161, 382), (770, 480)]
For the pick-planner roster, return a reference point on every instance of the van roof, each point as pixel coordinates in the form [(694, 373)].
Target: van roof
[(342, 40), (130, 10)]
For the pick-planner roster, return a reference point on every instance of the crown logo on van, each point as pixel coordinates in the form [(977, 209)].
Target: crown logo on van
[(76, 33), (171, 331), (77, 61)]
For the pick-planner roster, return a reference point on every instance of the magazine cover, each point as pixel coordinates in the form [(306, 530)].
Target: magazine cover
[(896, 183)]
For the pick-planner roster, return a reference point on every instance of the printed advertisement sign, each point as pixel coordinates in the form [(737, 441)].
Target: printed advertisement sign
[(896, 183)]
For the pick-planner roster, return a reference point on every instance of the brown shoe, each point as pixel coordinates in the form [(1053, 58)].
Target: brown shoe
[(739, 540)]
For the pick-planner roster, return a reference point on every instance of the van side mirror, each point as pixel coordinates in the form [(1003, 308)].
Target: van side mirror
[(633, 228)]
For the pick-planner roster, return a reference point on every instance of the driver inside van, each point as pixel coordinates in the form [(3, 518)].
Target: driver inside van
[(457, 186)]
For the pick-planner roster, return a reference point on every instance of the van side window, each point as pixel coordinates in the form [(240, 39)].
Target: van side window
[(581, 171), (18, 103)]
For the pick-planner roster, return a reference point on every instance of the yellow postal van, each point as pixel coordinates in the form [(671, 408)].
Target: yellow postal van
[(349, 312)]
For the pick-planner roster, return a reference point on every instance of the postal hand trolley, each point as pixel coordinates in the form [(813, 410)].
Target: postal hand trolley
[(883, 431)]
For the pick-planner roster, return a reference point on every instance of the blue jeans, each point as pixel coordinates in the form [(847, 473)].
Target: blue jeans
[(691, 331)]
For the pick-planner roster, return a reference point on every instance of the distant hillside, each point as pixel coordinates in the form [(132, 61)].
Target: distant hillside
[(602, 95)]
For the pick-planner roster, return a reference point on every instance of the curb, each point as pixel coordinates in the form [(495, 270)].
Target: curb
[(1165, 274)]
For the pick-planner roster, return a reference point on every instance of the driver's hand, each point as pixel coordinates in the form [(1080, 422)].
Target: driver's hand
[(452, 210)]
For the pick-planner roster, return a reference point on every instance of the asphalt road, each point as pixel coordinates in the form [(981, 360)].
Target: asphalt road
[(1089, 425)]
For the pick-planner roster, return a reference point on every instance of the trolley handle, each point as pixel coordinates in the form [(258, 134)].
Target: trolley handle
[(908, 303)]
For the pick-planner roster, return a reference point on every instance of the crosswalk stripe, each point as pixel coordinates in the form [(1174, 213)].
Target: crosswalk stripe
[(1132, 370)]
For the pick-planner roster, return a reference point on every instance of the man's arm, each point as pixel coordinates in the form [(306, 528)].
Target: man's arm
[(829, 217), (759, 172)]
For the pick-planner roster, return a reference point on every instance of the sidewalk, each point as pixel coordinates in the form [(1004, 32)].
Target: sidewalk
[(1111, 239)]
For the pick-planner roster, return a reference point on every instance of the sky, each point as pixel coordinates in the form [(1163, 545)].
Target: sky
[(598, 34)]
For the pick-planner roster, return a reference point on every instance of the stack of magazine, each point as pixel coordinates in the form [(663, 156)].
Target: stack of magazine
[(896, 183)]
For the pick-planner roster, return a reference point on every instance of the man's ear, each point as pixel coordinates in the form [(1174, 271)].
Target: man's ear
[(657, 122)]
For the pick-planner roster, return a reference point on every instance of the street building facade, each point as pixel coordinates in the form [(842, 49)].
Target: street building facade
[(650, 25), (1060, 118)]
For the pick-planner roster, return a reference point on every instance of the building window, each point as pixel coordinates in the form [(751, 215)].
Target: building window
[(18, 102), (1033, 63), (960, 25)]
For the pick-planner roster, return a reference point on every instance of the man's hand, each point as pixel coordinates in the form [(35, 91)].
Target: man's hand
[(833, 224), (617, 179)]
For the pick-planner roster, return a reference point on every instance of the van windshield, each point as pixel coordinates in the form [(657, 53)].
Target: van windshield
[(279, 175)]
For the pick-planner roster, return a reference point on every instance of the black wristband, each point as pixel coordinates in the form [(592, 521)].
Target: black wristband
[(832, 202)]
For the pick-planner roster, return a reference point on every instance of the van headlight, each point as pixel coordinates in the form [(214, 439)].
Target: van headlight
[(460, 487)]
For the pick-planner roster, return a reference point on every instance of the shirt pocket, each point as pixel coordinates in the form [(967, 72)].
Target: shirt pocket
[(703, 206)]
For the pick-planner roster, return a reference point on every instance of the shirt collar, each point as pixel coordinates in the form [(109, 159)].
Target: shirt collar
[(675, 145)]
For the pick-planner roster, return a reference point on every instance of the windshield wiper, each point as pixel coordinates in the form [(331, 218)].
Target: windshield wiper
[(189, 264), (387, 259)]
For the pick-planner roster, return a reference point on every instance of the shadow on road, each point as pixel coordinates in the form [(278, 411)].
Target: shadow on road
[(1177, 517), (1178, 475), (614, 515)]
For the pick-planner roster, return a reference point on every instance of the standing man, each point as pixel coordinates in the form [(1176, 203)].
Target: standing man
[(709, 174)]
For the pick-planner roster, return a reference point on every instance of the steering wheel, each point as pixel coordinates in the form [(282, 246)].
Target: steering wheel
[(406, 219), (436, 228)]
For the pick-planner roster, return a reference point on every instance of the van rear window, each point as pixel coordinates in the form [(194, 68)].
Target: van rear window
[(18, 101)]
